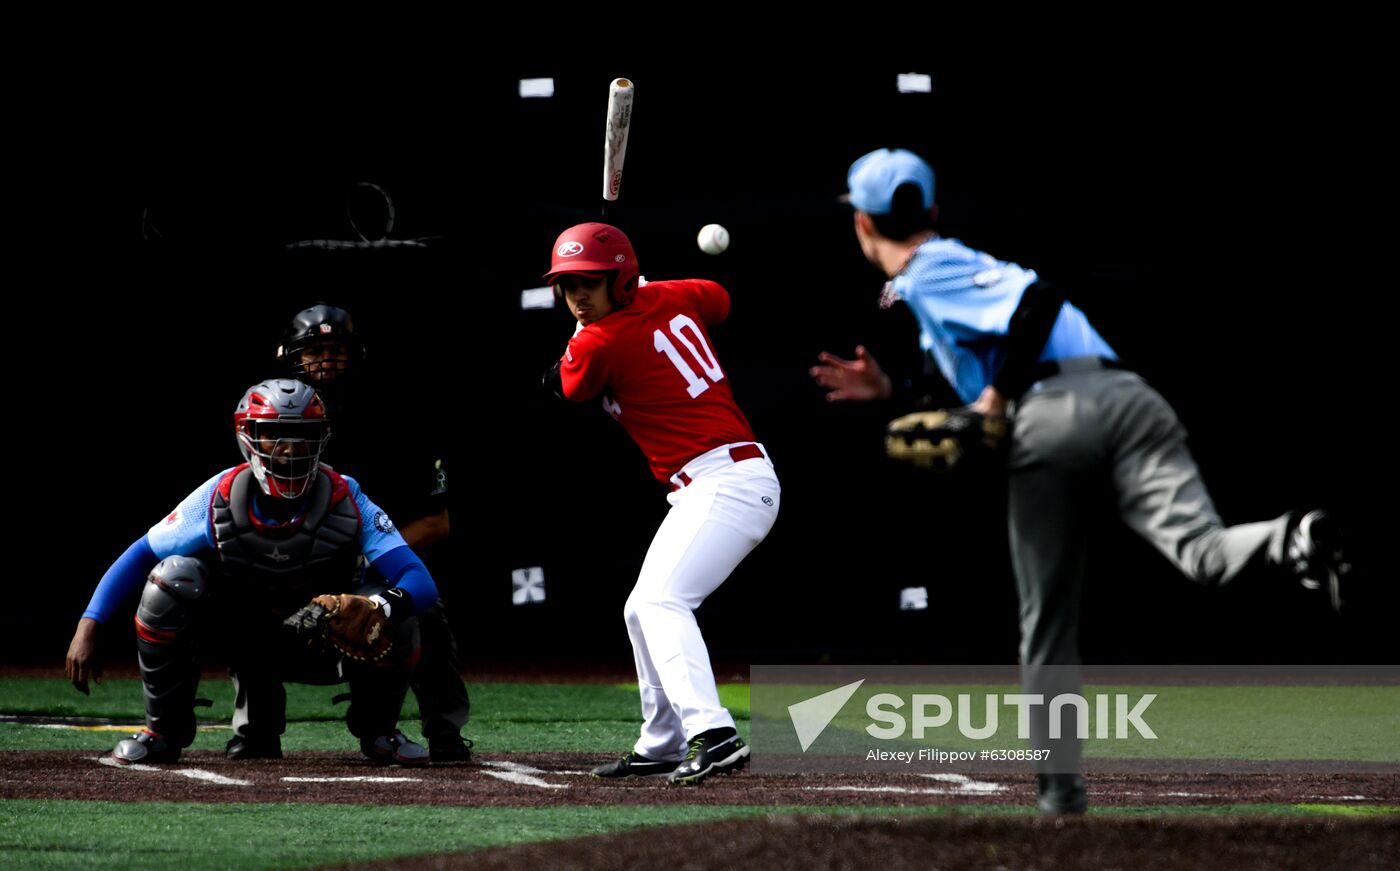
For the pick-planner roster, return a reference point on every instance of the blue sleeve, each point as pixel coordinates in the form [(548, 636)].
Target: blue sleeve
[(123, 579), (378, 535), (187, 529), (403, 569)]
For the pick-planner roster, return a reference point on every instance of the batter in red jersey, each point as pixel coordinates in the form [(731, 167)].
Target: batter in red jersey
[(643, 347)]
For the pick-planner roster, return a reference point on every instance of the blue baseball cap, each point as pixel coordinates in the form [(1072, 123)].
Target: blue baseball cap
[(873, 179)]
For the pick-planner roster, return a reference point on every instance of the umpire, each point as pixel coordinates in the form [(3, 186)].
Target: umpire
[(321, 347)]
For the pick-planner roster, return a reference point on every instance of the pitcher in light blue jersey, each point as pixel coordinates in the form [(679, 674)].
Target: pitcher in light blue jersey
[(1009, 344)]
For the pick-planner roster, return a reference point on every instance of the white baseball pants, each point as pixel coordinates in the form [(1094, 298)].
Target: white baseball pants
[(721, 510)]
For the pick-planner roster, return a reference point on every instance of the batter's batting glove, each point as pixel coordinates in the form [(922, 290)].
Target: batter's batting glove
[(940, 440), (553, 382)]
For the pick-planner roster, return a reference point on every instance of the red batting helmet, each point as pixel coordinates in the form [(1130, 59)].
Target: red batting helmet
[(597, 248)]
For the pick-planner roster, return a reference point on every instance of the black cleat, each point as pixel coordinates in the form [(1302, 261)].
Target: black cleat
[(253, 747), (452, 748), (1316, 556), (1062, 794), (718, 751), (394, 749), (634, 764), (145, 746)]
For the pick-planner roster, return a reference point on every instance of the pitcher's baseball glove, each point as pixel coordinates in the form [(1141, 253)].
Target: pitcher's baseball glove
[(940, 440)]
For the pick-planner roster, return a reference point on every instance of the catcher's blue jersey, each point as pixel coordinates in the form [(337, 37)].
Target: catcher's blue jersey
[(187, 529), (964, 300)]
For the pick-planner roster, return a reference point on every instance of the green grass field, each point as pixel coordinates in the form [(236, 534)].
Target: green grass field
[(105, 835), (507, 718)]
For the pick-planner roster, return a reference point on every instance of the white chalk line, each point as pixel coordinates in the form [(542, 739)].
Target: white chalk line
[(902, 790), (191, 773), (523, 775), (364, 778), (511, 772), (962, 786), (128, 729), (966, 785)]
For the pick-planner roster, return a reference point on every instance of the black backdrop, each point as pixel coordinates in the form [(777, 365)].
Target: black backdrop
[(1204, 217)]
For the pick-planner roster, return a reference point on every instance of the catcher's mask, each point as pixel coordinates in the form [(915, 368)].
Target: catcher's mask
[(282, 430), (321, 345), (597, 248)]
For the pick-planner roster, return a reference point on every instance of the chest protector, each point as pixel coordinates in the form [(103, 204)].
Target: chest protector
[(281, 567)]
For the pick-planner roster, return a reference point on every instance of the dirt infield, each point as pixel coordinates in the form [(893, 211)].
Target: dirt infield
[(541, 779), (780, 841)]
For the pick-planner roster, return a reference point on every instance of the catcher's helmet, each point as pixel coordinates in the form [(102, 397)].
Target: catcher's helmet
[(597, 248), (282, 430), (320, 323)]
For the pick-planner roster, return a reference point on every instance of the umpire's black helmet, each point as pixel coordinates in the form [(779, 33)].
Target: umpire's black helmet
[(320, 323)]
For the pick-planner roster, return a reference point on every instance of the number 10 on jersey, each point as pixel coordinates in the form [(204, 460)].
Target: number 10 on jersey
[(699, 350)]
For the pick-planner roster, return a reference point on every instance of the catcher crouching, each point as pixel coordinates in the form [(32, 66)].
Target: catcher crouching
[(260, 565)]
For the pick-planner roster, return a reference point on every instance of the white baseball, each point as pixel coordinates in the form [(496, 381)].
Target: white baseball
[(713, 239)]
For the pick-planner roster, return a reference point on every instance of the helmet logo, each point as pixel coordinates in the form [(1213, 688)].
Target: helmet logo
[(621, 258), (569, 249), (325, 328)]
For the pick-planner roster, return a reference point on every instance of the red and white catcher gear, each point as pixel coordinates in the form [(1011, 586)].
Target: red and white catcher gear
[(282, 431)]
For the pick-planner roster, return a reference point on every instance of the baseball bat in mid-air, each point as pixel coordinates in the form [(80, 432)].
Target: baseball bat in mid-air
[(615, 140)]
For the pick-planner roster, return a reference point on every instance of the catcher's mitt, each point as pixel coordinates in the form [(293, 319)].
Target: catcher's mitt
[(938, 440), (354, 625)]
